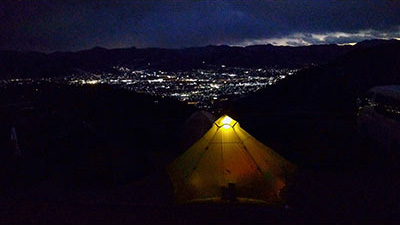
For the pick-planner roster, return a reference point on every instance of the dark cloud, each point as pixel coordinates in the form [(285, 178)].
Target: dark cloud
[(48, 25)]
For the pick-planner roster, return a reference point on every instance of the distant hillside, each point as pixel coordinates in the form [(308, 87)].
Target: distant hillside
[(333, 86), (34, 64)]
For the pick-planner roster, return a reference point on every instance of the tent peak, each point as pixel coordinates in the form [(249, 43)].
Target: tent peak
[(225, 122)]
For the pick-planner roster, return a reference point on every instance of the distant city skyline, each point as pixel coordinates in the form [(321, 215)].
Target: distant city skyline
[(49, 26)]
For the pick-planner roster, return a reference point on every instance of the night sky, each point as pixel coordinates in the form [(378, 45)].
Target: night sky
[(55, 25)]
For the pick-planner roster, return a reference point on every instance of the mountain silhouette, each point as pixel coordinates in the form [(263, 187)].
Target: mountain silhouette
[(15, 64), (334, 86)]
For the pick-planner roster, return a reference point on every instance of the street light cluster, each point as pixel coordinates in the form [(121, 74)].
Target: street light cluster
[(199, 87)]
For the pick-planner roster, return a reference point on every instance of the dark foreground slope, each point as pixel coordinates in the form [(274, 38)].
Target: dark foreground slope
[(89, 137)]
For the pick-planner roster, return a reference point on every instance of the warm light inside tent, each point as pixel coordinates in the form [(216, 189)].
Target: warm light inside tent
[(225, 122), (226, 126)]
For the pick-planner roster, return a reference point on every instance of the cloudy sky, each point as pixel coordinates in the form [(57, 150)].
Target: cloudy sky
[(70, 25)]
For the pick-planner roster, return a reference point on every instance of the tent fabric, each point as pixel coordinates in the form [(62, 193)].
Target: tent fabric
[(228, 155)]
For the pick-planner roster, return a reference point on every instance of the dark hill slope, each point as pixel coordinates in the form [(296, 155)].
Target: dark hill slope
[(334, 86), (311, 118)]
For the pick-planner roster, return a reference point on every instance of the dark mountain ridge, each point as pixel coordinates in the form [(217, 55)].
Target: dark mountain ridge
[(15, 64), (334, 86)]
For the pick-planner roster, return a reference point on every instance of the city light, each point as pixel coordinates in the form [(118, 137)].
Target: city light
[(202, 88)]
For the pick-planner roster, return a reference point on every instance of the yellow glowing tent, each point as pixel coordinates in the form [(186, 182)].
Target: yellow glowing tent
[(228, 164)]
